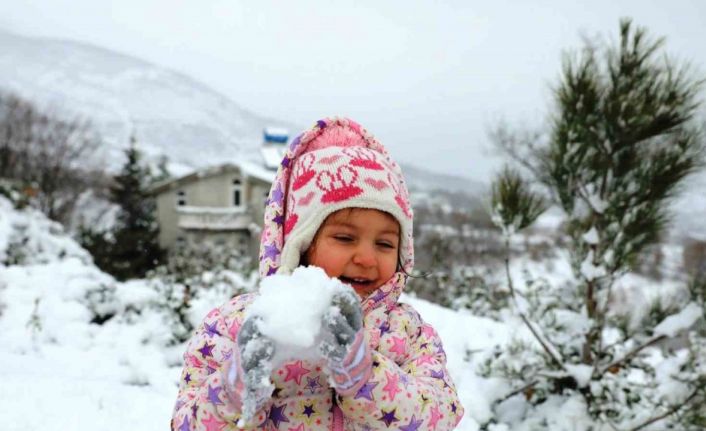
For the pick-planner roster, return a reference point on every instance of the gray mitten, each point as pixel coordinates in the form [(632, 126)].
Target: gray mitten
[(343, 322), (256, 353)]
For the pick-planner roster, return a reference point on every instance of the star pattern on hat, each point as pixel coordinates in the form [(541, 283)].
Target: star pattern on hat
[(277, 194), (271, 251), (279, 219)]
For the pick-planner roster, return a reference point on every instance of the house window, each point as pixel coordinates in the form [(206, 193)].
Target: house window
[(237, 193), (181, 198)]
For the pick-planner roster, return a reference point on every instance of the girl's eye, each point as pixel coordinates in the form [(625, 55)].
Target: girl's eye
[(385, 244), (343, 238)]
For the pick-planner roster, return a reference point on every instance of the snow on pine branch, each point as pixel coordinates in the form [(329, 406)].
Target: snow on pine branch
[(681, 321)]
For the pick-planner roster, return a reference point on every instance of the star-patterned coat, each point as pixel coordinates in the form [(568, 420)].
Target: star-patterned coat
[(408, 386)]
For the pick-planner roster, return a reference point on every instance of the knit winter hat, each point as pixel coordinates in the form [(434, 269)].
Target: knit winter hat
[(335, 165)]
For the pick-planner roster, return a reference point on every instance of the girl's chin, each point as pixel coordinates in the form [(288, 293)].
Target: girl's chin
[(363, 291)]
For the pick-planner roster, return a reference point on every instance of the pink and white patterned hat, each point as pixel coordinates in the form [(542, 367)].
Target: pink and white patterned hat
[(335, 165)]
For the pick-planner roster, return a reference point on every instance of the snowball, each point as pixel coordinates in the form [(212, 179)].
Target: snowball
[(292, 307), (681, 321)]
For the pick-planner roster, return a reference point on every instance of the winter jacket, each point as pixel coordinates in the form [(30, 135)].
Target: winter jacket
[(407, 387)]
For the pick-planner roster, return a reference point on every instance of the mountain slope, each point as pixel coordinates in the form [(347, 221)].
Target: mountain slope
[(170, 113)]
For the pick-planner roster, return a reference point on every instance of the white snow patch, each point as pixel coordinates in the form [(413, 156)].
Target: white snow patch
[(591, 271), (580, 372), (597, 203), (591, 237), (681, 321)]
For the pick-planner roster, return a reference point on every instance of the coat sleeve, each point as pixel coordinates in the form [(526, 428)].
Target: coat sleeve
[(203, 401), (411, 391)]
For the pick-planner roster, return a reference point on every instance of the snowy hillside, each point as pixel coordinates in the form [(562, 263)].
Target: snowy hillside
[(171, 113)]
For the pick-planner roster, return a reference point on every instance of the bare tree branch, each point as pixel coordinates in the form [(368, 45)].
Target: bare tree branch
[(631, 354), (546, 344), (669, 412), (46, 151)]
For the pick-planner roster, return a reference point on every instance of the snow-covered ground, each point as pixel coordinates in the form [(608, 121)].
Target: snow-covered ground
[(58, 368)]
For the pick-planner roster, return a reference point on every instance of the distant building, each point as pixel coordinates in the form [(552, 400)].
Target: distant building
[(274, 145), (222, 204)]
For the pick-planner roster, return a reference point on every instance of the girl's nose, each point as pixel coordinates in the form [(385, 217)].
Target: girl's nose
[(364, 256)]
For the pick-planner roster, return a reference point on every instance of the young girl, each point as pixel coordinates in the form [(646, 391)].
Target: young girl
[(340, 203)]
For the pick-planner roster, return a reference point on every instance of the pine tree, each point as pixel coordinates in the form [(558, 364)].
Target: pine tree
[(622, 141), (136, 248), (131, 248)]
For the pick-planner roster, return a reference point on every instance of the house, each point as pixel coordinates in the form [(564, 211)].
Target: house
[(224, 204)]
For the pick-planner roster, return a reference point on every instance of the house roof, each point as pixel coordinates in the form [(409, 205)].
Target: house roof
[(276, 134), (246, 168), (272, 155)]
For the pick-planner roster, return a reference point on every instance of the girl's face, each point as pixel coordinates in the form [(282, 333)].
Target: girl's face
[(358, 246)]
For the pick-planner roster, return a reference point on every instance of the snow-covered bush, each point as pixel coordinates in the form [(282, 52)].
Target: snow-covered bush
[(462, 287), (621, 143), (195, 279), (12, 191), (456, 260), (27, 237), (101, 301), (16, 251)]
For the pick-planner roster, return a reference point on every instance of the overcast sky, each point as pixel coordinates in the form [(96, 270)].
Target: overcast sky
[(426, 77)]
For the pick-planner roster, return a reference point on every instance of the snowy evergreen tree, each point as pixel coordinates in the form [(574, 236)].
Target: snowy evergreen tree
[(621, 143), (131, 249)]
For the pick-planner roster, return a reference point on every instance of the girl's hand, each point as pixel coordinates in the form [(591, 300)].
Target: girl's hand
[(255, 352), (341, 323), (255, 349), (349, 358)]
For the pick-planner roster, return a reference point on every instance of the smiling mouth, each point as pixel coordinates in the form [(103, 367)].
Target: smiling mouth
[(356, 282)]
